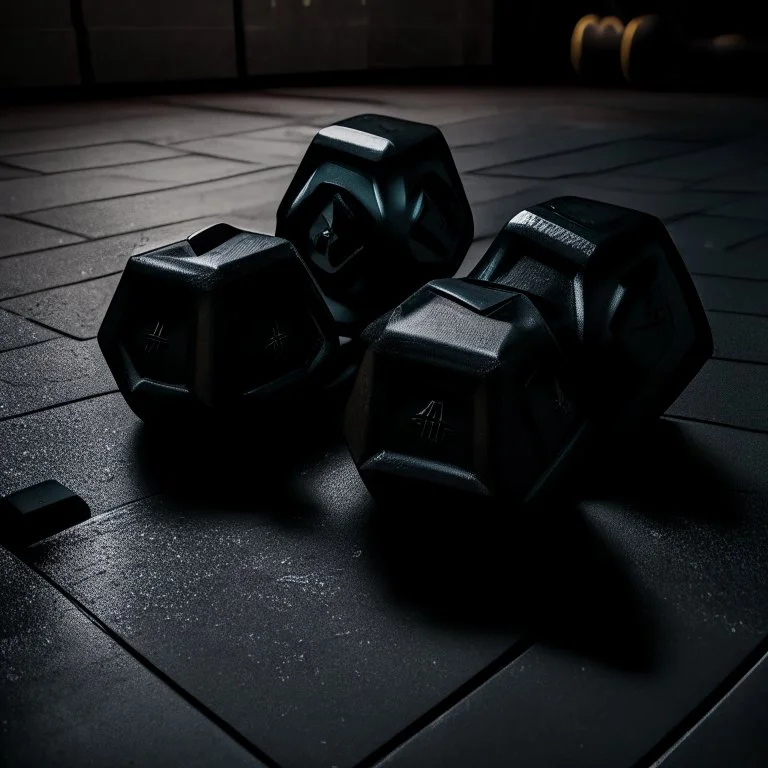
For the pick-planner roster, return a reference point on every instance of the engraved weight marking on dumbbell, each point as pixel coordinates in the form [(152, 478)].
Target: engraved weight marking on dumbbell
[(433, 427), (562, 404), (154, 339), (277, 341)]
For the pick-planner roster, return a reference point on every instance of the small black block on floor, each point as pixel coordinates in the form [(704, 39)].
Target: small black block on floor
[(34, 513)]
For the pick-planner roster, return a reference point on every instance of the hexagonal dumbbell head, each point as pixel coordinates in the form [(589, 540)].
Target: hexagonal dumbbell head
[(207, 328), (616, 293), (376, 209), (460, 388)]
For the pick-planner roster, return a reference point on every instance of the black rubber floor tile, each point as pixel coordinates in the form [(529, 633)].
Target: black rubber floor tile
[(532, 144), (22, 237), (72, 696), (248, 149), (740, 337), (52, 373), (75, 310), (626, 182), (101, 156), (12, 172), (287, 107), (752, 179), (32, 117), (746, 264), (618, 154), (682, 568), (490, 129), (92, 446), (728, 294), (262, 189), (727, 392), (295, 133), (280, 608), (755, 252), (53, 191), (51, 268), (167, 125), (748, 207), (17, 332), (718, 232), (709, 163), (733, 733), (481, 189)]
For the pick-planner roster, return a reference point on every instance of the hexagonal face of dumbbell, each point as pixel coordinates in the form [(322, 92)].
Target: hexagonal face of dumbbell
[(215, 325), (376, 209), (460, 391), (615, 289)]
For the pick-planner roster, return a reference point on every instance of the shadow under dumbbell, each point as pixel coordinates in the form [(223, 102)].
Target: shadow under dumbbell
[(249, 463), (665, 475), (549, 575), (556, 572)]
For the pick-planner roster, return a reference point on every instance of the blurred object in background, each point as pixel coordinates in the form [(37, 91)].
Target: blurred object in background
[(670, 45)]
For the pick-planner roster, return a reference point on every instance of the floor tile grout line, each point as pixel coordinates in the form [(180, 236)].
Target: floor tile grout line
[(711, 422), (143, 192), (738, 360), (550, 155), (30, 344), (17, 217), (734, 312), (129, 140), (178, 154), (467, 688), (43, 325), (52, 406), (87, 240), (749, 239), (54, 288), (158, 673), (223, 110), (709, 703), (4, 162), (730, 277)]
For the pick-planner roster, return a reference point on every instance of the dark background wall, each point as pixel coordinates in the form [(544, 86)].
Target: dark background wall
[(52, 43), (132, 41)]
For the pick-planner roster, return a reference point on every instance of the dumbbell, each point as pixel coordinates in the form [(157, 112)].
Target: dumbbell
[(206, 329), (227, 322), (376, 209), (580, 321)]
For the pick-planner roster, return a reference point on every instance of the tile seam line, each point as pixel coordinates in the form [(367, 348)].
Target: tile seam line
[(53, 406), (550, 155), (58, 331), (178, 154), (84, 240), (678, 734), (17, 217), (43, 325), (173, 187), (128, 139), (201, 708), (445, 705), (712, 423)]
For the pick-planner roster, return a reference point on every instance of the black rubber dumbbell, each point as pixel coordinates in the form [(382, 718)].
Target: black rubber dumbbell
[(376, 209), (451, 395), (207, 329)]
